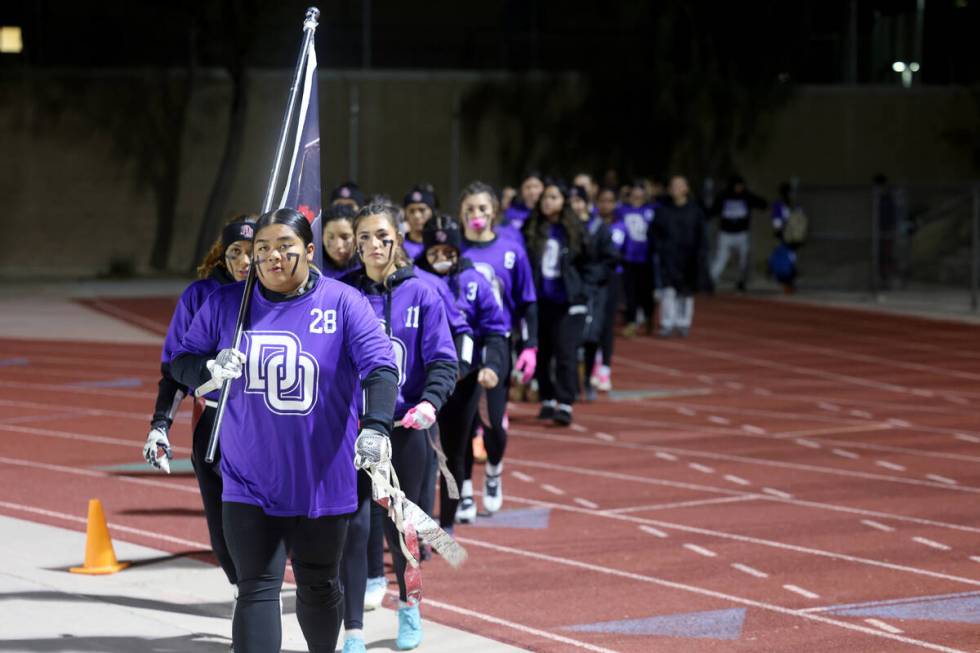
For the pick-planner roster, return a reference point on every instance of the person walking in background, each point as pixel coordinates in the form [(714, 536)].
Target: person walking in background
[(601, 377), (637, 269), (680, 238), (734, 206), (522, 205), (419, 204), (789, 226)]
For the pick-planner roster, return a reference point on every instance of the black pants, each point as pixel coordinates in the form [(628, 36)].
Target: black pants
[(209, 482), (376, 542), (494, 433), (559, 335), (354, 565), (428, 500), (638, 288), (456, 420), (409, 459), (258, 546), (607, 337)]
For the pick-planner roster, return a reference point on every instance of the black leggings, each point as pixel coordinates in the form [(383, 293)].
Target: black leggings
[(456, 420), (607, 337), (258, 546), (494, 433), (354, 565), (209, 482), (638, 287), (409, 459), (559, 335)]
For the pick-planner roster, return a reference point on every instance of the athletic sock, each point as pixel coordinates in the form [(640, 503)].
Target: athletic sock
[(467, 489), (494, 470), (354, 633)]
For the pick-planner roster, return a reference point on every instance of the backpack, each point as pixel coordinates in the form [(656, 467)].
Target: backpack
[(794, 231)]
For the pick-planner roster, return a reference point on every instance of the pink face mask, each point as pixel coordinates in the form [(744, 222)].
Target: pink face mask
[(478, 224)]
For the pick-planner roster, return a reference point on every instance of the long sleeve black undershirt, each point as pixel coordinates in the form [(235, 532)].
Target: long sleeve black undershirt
[(440, 379)]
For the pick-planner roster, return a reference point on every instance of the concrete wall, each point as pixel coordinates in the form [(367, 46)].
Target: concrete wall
[(66, 190)]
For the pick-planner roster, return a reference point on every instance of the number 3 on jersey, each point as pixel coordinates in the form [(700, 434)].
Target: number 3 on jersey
[(323, 321)]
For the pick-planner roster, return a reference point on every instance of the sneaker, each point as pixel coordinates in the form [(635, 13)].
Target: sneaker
[(563, 416), (665, 332), (493, 490), (505, 422), (547, 409), (683, 331), (466, 510), (354, 645), (740, 287), (605, 379), (374, 592), (409, 628)]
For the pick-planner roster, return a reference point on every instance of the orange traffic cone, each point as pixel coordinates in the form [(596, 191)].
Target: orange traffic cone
[(100, 558)]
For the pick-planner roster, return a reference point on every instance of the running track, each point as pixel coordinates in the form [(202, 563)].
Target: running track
[(784, 461)]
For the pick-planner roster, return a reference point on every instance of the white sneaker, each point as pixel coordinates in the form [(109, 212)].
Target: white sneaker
[(466, 510), (604, 383), (374, 592), (493, 488)]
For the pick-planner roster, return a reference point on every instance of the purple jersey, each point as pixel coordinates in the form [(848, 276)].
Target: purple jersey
[(516, 214), (287, 443), (617, 232), (419, 333), (475, 298), (457, 321), (413, 249), (636, 222), (187, 306), (552, 285), (506, 267)]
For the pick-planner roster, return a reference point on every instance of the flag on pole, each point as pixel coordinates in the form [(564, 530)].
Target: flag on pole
[(302, 190)]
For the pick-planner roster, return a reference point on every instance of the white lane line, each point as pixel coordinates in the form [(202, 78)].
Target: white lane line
[(762, 392), (680, 504), (975, 558), (810, 444), (659, 482), (684, 410), (656, 532), (585, 503), (700, 550), (751, 571), (578, 427), (737, 480), (547, 487), (923, 393), (718, 419), (605, 436), (704, 378), (863, 414), (888, 628), (843, 453), (663, 455), (777, 493), (932, 543), (892, 466), (966, 438), (796, 589), (941, 479), (168, 485), (516, 626), (521, 476), (956, 399), (704, 469), (877, 525), (752, 428), (829, 407), (900, 423), (734, 385)]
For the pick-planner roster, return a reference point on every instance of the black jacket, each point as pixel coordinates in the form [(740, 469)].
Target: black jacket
[(577, 265), (679, 239)]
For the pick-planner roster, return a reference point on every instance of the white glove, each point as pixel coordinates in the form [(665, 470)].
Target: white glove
[(372, 452), (420, 417), (155, 441), (227, 365)]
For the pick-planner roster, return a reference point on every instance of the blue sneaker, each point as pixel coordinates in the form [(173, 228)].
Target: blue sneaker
[(409, 628), (354, 645)]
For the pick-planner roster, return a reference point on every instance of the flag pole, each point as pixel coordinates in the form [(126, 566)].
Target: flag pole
[(309, 29)]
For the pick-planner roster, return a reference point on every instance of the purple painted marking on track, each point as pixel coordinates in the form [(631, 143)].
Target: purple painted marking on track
[(963, 608), (14, 362), (713, 624), (531, 518)]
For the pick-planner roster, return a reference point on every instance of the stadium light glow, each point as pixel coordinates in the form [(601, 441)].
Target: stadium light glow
[(11, 41), (899, 66), (906, 70)]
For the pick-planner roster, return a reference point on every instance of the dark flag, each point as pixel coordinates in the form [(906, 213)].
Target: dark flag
[(303, 183)]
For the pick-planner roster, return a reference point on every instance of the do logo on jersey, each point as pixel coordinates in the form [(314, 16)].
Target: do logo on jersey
[(281, 371)]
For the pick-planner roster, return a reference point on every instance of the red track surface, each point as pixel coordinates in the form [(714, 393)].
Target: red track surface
[(807, 457)]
